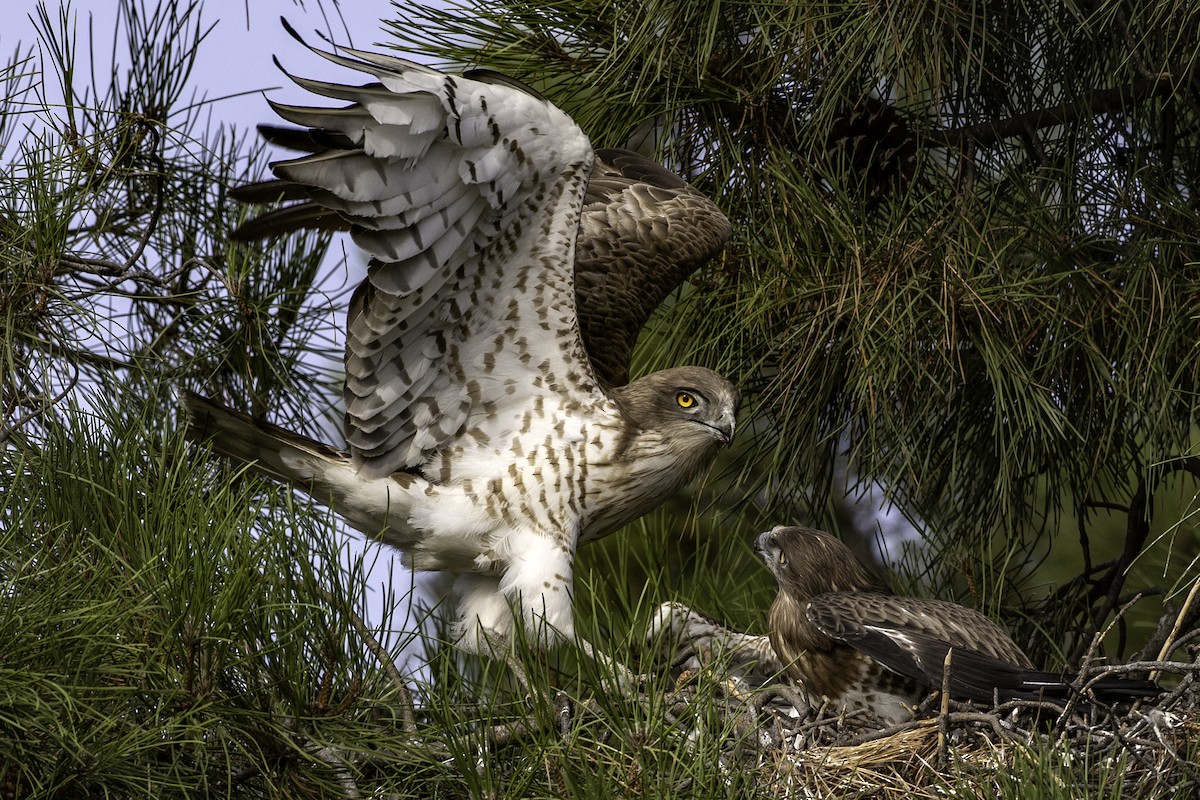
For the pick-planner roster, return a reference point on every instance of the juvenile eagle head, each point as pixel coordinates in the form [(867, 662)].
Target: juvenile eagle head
[(808, 562)]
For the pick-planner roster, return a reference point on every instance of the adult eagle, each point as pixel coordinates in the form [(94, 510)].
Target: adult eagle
[(490, 422)]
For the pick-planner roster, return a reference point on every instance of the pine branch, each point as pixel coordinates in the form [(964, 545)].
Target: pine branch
[(1094, 103)]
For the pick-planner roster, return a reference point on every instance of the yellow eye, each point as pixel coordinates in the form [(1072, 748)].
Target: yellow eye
[(782, 559), (685, 399)]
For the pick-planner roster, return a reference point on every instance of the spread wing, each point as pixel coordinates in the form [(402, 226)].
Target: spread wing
[(468, 194), (642, 232), (911, 636)]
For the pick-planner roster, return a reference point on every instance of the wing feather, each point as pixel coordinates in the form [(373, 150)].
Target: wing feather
[(469, 194), (456, 188), (376, 138), (911, 636), (839, 614), (643, 231)]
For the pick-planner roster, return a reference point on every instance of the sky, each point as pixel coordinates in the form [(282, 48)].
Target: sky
[(234, 68), (235, 59)]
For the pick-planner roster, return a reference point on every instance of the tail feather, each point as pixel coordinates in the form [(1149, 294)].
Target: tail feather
[(268, 449), (379, 507)]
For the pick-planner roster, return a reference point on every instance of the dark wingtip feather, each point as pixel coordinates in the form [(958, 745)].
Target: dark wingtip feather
[(304, 140), (287, 26), (268, 191), (289, 219)]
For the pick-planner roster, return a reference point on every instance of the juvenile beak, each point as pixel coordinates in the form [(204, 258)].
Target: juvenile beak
[(764, 545)]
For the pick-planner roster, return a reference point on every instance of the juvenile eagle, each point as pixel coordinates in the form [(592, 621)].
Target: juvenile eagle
[(841, 634), (491, 427)]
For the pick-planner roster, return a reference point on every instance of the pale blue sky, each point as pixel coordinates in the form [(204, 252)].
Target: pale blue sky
[(236, 56)]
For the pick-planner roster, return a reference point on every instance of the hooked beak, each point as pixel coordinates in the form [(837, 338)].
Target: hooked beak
[(724, 428), (765, 546)]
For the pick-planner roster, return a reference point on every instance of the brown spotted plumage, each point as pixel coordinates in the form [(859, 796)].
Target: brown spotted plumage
[(490, 423), (844, 637)]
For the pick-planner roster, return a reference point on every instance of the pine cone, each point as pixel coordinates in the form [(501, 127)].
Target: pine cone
[(869, 145)]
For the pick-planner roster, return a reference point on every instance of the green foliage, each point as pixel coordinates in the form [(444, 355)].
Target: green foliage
[(1054, 774), (168, 629), (963, 276), (965, 264), (153, 646), (116, 268)]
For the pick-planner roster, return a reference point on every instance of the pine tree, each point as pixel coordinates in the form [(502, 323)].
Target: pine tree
[(964, 278), (965, 267)]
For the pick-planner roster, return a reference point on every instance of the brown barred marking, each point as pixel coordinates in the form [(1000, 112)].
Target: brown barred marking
[(511, 267)]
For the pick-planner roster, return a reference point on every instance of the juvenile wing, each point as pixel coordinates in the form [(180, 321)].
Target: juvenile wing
[(911, 636)]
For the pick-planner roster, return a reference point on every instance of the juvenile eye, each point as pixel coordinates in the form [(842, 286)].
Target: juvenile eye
[(685, 399)]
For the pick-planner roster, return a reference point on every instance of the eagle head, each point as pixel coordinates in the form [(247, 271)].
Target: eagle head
[(693, 407), (808, 562)]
